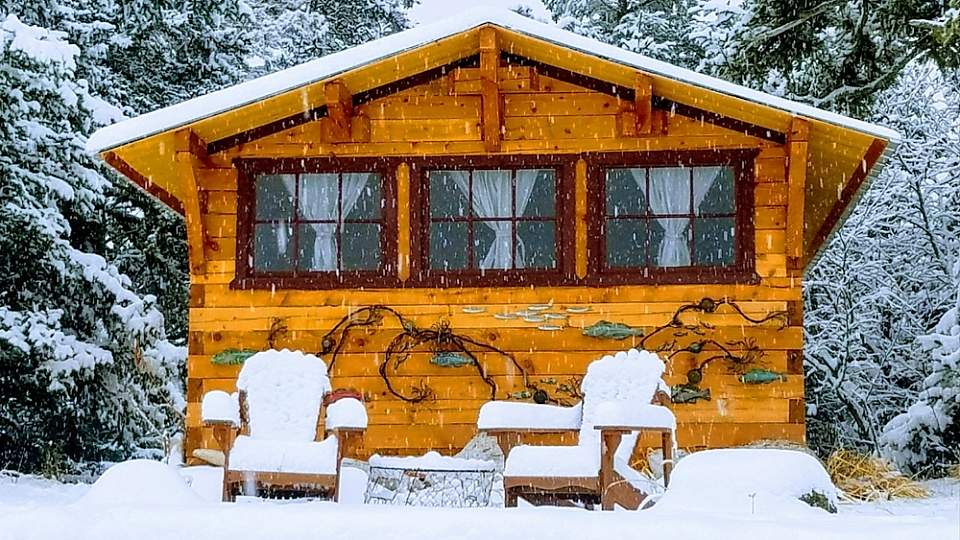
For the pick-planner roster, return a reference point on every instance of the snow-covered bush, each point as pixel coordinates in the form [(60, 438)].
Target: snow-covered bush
[(926, 438)]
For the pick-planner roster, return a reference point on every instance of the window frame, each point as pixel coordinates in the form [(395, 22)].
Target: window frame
[(421, 275), (247, 277), (743, 268)]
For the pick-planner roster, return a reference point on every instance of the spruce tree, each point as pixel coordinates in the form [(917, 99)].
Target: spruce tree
[(85, 369)]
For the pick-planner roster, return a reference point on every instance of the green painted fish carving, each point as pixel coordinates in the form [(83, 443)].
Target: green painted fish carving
[(450, 359), (611, 330), (687, 393), (232, 357), (761, 376)]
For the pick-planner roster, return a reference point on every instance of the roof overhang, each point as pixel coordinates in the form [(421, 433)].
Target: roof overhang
[(844, 153)]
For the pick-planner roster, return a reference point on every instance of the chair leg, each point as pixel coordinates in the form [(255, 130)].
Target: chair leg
[(228, 493), (667, 442)]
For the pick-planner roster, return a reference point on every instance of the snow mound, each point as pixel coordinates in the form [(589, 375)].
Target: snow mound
[(140, 482), (346, 413), (747, 481), (219, 406), (284, 390)]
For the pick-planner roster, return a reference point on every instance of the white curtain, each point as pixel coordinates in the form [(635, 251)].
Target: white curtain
[(670, 194), (318, 200), (703, 180), (283, 230), (492, 198)]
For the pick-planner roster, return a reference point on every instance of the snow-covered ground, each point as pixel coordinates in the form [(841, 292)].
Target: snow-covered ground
[(32, 508)]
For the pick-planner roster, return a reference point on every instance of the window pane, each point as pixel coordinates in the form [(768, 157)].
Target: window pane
[(448, 193), (274, 196), (318, 196), (670, 190), (626, 239), (448, 246), (713, 186), (537, 244), (714, 241), (670, 242), (318, 247), (361, 196), (536, 193), (361, 246), (624, 195), (273, 247), (492, 194), (492, 245)]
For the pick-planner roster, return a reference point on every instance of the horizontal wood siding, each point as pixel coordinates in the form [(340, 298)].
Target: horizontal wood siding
[(559, 117)]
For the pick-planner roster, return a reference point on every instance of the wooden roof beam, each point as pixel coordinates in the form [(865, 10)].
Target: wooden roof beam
[(190, 153), (491, 107), (797, 153)]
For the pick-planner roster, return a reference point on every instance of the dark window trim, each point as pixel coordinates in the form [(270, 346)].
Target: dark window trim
[(743, 269), (421, 275), (248, 278)]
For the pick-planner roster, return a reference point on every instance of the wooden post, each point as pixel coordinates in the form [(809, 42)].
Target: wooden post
[(797, 148), (643, 104), (666, 439), (490, 89), (403, 221), (339, 112), (580, 198), (190, 151), (609, 442)]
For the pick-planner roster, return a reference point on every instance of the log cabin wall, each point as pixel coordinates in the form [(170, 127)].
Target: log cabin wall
[(539, 115)]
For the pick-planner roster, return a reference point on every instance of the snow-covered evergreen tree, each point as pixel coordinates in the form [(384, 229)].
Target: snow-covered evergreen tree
[(660, 29), (291, 32), (85, 369), (834, 54), (926, 438)]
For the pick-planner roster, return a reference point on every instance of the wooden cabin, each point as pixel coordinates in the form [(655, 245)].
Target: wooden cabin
[(477, 209)]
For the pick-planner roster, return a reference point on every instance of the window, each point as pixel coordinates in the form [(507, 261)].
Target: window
[(492, 219), (317, 223), (658, 218)]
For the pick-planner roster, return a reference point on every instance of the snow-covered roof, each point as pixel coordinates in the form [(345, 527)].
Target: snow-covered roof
[(332, 65)]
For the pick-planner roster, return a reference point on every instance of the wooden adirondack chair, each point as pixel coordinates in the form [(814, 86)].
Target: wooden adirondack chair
[(269, 431), (621, 396)]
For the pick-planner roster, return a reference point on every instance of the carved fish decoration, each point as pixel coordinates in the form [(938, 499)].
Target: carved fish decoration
[(232, 356), (611, 330), (687, 393), (450, 359), (762, 376)]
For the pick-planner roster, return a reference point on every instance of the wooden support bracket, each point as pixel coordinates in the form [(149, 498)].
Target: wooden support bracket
[(643, 103), (339, 125), (190, 154), (490, 89), (797, 148)]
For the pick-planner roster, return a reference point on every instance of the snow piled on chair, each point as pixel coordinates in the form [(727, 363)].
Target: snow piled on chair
[(617, 389), (284, 390)]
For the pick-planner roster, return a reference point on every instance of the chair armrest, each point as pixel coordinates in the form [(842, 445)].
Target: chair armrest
[(349, 442), (618, 416), (346, 413)]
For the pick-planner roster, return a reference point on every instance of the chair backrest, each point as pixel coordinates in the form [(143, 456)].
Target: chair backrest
[(630, 377), (283, 391)]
